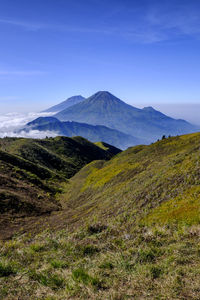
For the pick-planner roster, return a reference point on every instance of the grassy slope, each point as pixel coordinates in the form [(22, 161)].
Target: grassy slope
[(31, 172), (163, 175), (62, 155), (139, 237)]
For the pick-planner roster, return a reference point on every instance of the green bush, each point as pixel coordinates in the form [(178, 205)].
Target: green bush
[(81, 276), (54, 281), (106, 265), (155, 272), (147, 255), (57, 264), (37, 247), (6, 269), (86, 250)]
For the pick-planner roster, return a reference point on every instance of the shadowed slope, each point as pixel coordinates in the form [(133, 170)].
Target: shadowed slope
[(31, 172)]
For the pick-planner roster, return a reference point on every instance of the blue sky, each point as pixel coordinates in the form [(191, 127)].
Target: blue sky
[(144, 51)]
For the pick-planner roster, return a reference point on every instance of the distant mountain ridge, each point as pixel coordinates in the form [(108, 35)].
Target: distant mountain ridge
[(103, 108), (65, 104), (94, 133)]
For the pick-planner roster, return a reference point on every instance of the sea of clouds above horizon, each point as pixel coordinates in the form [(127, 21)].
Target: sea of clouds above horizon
[(12, 123)]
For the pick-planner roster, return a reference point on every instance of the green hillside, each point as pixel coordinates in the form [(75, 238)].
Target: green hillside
[(61, 155), (162, 178), (131, 231), (31, 172)]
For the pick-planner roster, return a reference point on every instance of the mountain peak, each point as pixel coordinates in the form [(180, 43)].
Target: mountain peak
[(76, 97), (104, 93), (149, 108), (65, 104), (42, 121), (103, 96), (103, 108)]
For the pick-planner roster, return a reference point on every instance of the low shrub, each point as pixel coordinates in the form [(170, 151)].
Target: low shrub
[(6, 269)]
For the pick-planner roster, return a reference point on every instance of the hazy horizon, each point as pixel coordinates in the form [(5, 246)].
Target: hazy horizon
[(11, 121), (186, 111)]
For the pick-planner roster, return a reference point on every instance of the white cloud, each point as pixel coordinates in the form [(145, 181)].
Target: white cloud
[(26, 25), (30, 26), (11, 123), (34, 134)]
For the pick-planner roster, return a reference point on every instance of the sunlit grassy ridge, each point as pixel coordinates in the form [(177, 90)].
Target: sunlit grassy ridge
[(134, 231), (184, 208), (143, 177)]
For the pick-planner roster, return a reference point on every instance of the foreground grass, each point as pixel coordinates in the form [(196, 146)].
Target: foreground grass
[(138, 232), (103, 262)]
